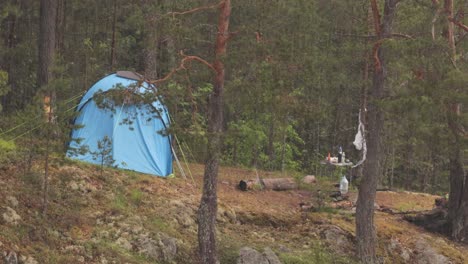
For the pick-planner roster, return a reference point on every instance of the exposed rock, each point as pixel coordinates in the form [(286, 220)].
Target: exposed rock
[(12, 201), (10, 216), (251, 256), (338, 239), (168, 247), (162, 248), (425, 254), (10, 257), (395, 247), (309, 179), (271, 256), (148, 247), (123, 242)]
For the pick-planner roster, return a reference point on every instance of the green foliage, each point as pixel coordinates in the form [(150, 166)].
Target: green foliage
[(8, 153), (120, 203), (295, 75), (4, 88), (136, 196), (103, 154)]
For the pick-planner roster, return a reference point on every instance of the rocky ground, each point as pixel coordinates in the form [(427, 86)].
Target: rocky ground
[(125, 217)]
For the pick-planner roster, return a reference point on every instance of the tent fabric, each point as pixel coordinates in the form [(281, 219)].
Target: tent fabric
[(138, 139)]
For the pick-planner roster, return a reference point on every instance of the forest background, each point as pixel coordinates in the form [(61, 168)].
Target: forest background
[(297, 74)]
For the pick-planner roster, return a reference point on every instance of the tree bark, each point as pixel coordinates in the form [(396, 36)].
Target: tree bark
[(365, 231), (152, 43), (114, 24), (48, 14), (47, 31), (208, 204), (458, 198), (10, 43), (61, 20)]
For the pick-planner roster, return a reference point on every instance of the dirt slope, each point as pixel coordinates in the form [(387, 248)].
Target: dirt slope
[(125, 217)]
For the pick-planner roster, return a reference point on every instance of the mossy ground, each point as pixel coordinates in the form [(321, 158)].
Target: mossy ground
[(264, 218)]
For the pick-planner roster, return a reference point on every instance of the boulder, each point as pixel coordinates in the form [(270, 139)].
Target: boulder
[(425, 254), (168, 247), (148, 247), (251, 256), (338, 240), (271, 256), (160, 248), (395, 247), (309, 179)]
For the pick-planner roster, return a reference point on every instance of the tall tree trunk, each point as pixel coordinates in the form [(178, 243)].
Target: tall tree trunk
[(458, 198), (47, 29), (365, 231), (60, 26), (152, 43), (114, 24), (48, 14), (208, 204), (10, 43)]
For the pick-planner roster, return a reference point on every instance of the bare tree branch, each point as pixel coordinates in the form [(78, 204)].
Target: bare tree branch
[(401, 35), (182, 66), (196, 9), (458, 23)]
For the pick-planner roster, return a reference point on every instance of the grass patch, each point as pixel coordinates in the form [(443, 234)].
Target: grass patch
[(114, 253), (136, 196), (120, 203), (407, 206), (159, 224)]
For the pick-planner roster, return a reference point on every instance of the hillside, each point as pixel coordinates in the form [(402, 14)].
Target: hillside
[(125, 217)]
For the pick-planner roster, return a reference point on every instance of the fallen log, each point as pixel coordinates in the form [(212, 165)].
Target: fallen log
[(275, 184), (434, 220)]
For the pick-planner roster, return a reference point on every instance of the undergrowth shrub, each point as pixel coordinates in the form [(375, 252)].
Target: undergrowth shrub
[(9, 153)]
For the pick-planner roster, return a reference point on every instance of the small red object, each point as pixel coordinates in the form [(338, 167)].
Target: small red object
[(329, 157)]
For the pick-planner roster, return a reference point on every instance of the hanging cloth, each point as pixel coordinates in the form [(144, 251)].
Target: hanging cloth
[(360, 141)]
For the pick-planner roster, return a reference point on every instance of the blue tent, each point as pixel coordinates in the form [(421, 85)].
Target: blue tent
[(138, 141)]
